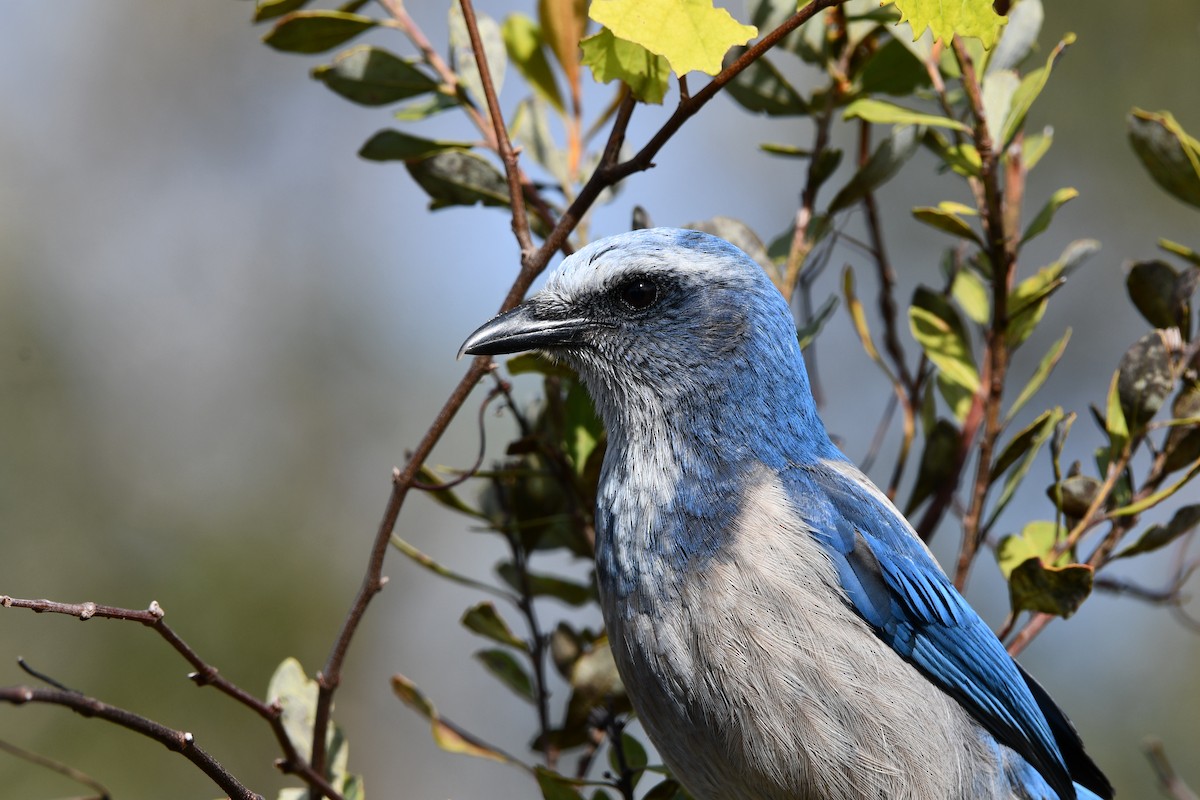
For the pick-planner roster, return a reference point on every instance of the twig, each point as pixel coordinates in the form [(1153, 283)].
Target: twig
[(176, 741), (1168, 780), (1001, 252), (70, 772), (500, 390), (516, 193), (204, 675)]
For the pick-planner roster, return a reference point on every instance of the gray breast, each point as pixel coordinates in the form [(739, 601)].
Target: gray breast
[(755, 679)]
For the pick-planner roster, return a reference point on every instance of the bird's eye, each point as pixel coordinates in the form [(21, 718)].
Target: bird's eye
[(639, 293)]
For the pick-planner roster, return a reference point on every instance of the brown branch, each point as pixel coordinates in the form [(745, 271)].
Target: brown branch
[(1168, 779), (79, 776), (495, 137), (176, 741), (1001, 251), (204, 675), (516, 193)]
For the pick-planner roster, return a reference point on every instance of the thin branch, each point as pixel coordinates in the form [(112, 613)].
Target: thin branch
[(516, 193), (176, 741), (204, 675), (50, 764), (1001, 252), (1168, 780)]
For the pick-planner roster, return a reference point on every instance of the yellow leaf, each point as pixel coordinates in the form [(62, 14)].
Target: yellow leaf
[(947, 18), (690, 34), (611, 59)]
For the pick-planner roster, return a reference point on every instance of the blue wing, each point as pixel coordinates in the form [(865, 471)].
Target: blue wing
[(897, 587)]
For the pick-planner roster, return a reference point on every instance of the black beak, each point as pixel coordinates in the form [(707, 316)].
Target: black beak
[(526, 327)]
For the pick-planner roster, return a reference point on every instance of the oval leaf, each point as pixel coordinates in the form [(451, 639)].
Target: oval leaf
[(374, 77), (316, 31)]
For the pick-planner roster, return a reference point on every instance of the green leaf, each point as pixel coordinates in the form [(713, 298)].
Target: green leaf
[(610, 58), (462, 55), (1038, 539), (1044, 368), (1017, 457), (1019, 36), (962, 158), (937, 463), (393, 145), (1114, 419), (858, 317), (1034, 586), (483, 619), (1162, 494), (1185, 520), (945, 217), (524, 42), (296, 694), (373, 77), (785, 150), (449, 737), (427, 562), (882, 112), (556, 787), (569, 592), (690, 34), (969, 291), (316, 31), (939, 329), (634, 756), (1145, 379), (974, 18), (583, 429), (1170, 155), (998, 90), (1027, 302), (1031, 86), (531, 128), (426, 107), (894, 70), (509, 672), (1074, 494), (270, 9), (958, 398), (1043, 218), (762, 88), (563, 23), (1151, 286), (459, 178), (668, 789), (1057, 587), (1036, 145), (808, 333), (1180, 250), (884, 163)]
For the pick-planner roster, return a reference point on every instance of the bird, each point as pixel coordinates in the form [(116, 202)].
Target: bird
[(780, 629)]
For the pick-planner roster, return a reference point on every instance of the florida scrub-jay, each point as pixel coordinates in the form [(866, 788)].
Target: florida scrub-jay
[(782, 632)]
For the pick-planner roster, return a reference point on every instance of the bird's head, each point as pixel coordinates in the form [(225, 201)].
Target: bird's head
[(660, 318)]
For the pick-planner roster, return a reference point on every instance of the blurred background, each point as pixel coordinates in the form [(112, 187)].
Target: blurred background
[(220, 329)]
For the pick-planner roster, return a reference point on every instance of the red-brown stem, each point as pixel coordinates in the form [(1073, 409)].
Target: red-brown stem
[(205, 674), (516, 193), (176, 741), (1001, 251)]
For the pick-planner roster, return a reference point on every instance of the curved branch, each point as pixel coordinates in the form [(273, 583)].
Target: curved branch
[(205, 674), (176, 741)]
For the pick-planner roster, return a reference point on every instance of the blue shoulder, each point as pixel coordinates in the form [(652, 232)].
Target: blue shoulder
[(894, 584)]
